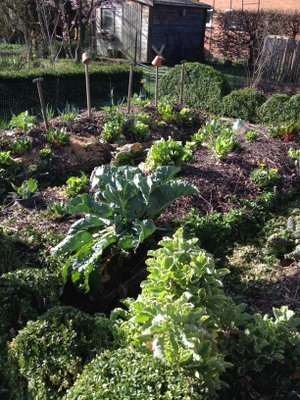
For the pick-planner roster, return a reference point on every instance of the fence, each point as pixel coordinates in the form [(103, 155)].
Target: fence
[(281, 59), (18, 94)]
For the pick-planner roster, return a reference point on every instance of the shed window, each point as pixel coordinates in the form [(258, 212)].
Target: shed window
[(210, 18), (107, 19)]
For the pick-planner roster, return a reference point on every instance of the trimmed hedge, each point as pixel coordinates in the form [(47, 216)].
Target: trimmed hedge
[(60, 86), (52, 351), (243, 103), (129, 374), (24, 295), (204, 86), (293, 108), (273, 111)]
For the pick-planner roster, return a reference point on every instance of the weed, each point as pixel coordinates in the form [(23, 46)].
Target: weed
[(265, 177)]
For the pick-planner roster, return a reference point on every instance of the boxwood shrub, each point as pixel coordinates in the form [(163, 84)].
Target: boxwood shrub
[(293, 108), (24, 295), (51, 352), (274, 110), (243, 103), (130, 374), (204, 86)]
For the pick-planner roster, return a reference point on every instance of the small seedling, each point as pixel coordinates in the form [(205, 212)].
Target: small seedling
[(56, 210), (76, 185), (69, 114), (21, 146), (57, 137), (23, 121), (27, 189), (265, 177), (251, 136), (46, 153)]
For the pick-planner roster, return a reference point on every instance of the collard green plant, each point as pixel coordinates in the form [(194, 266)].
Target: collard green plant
[(23, 121), (76, 185), (121, 214)]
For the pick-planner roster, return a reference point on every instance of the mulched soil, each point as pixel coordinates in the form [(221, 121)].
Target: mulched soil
[(222, 183)]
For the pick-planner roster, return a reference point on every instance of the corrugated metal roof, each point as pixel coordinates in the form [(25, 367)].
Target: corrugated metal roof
[(182, 3)]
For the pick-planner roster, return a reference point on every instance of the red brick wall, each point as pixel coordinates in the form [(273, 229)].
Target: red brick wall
[(284, 5)]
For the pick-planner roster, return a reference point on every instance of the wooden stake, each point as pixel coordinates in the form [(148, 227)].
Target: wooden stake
[(88, 90), (38, 82), (130, 83), (181, 83), (156, 87)]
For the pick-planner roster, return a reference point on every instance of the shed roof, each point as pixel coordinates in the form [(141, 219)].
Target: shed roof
[(182, 3)]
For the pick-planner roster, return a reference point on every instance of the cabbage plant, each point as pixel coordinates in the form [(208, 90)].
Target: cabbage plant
[(121, 214)]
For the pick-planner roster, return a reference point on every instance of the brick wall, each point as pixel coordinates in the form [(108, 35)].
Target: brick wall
[(284, 5)]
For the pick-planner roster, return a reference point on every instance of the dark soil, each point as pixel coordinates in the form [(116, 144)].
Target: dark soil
[(223, 183)]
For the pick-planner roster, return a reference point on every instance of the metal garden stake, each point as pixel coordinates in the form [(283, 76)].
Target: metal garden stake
[(181, 82), (87, 59), (38, 82), (157, 63), (130, 84)]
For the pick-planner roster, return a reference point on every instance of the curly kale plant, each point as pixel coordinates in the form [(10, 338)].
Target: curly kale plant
[(122, 214)]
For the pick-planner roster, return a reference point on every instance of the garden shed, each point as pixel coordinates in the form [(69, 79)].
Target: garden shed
[(131, 28)]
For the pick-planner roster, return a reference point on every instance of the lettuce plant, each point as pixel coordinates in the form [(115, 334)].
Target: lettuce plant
[(167, 152), (23, 121), (122, 214)]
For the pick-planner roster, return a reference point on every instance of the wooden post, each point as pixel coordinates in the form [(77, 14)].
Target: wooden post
[(88, 90), (156, 87), (38, 82), (130, 84), (87, 59), (181, 83)]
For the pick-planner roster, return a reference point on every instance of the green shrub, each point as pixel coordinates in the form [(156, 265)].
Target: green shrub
[(243, 103), (265, 355), (129, 374), (274, 110), (204, 86), (217, 232), (52, 351), (24, 295), (293, 109)]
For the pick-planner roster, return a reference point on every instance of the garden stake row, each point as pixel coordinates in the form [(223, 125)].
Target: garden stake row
[(157, 63), (87, 59), (38, 82)]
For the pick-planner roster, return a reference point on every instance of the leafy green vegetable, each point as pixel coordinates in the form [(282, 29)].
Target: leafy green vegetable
[(23, 121), (76, 185), (27, 188), (122, 214)]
